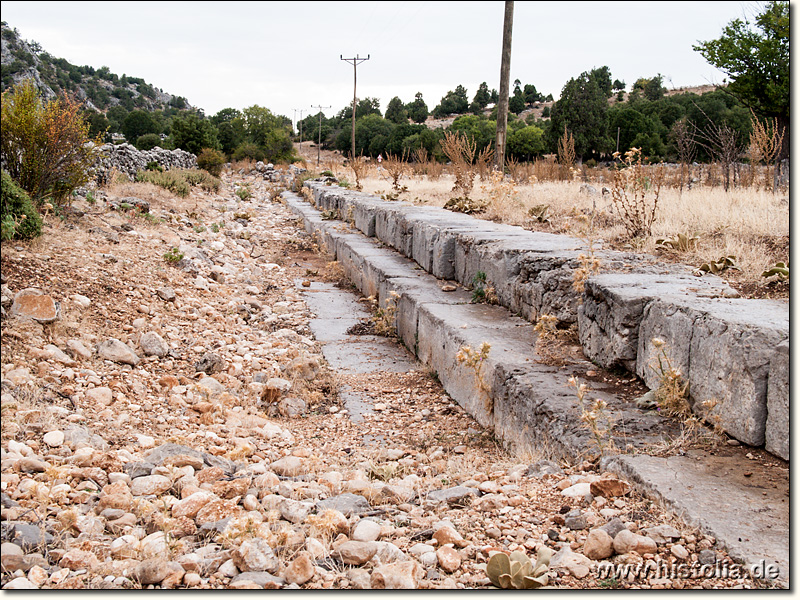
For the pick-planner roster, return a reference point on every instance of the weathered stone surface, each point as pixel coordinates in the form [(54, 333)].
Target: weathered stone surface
[(598, 545), (300, 570), (153, 344), (348, 504), (115, 351), (404, 575), (355, 553), (777, 428), (32, 303), (609, 488), (627, 541)]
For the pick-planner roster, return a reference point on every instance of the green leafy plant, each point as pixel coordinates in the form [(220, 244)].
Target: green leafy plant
[(516, 571), (173, 255), (154, 166), (482, 291), (169, 180), (20, 219), (45, 147), (718, 266), (211, 160), (682, 242), (468, 206), (244, 193), (329, 215), (781, 270)]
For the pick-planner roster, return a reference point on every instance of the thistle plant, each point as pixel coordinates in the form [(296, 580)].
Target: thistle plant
[(635, 192), (385, 319), (594, 416), (672, 391), (475, 360)]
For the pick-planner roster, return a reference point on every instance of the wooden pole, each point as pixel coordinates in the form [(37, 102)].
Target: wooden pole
[(502, 106)]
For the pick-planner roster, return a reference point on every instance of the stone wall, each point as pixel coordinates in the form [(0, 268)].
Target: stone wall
[(126, 159)]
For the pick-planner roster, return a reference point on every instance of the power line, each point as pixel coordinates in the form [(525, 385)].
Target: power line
[(355, 62), (319, 130)]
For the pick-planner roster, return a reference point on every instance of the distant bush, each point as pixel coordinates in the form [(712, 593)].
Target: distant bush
[(211, 160), (148, 141), (45, 145), (249, 150), (19, 217)]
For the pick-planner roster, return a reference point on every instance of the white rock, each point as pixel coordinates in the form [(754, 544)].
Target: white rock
[(54, 438)]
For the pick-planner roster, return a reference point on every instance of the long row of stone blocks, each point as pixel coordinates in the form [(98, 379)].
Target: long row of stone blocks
[(729, 350)]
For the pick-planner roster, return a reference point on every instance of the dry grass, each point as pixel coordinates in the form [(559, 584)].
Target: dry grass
[(751, 224)]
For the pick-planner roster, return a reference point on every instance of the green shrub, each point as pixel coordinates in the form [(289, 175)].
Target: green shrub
[(19, 217), (154, 166), (249, 150), (211, 160), (205, 180), (45, 145), (169, 180), (148, 141)]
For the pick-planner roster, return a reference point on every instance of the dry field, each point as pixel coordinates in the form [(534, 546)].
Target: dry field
[(749, 223)]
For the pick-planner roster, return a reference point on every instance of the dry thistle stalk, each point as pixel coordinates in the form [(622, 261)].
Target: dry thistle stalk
[(396, 167), (566, 151), (635, 191), (588, 263), (594, 416), (475, 359), (766, 141), (672, 392), (461, 152), (359, 168)]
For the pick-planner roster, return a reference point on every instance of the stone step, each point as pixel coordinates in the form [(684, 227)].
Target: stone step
[(726, 348), (530, 405)]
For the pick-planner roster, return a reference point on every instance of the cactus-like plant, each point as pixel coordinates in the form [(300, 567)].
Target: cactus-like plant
[(539, 212), (780, 269), (682, 242), (718, 266), (516, 571)]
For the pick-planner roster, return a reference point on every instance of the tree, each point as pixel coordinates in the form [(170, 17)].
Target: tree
[(477, 128), (417, 110), (191, 134), (482, 97), (526, 142), (137, 124), (454, 102), (396, 112), (45, 146), (531, 94), (230, 129), (271, 133), (582, 109), (755, 56)]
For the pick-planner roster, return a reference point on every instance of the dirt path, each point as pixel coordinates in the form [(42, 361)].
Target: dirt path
[(179, 426)]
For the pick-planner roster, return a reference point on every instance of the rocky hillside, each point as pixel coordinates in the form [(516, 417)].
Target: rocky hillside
[(97, 87)]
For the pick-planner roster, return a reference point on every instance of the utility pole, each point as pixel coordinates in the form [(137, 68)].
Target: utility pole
[(355, 62), (502, 105), (319, 129), (300, 123)]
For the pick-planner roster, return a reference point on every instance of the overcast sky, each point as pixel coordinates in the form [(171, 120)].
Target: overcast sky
[(286, 55)]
